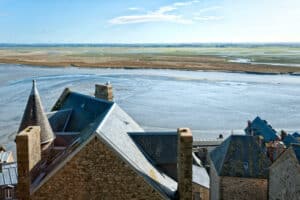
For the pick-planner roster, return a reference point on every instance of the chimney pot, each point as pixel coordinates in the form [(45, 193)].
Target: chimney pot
[(104, 91)]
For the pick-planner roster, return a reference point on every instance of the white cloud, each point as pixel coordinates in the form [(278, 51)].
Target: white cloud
[(209, 9), (152, 17), (165, 9), (134, 8), (178, 4), (208, 18), (161, 14)]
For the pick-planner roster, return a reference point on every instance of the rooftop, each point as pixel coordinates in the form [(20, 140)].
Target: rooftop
[(8, 174), (240, 156), (289, 139), (259, 127), (200, 176), (77, 117), (296, 148)]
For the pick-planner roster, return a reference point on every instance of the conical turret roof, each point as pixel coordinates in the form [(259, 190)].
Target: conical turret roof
[(34, 115)]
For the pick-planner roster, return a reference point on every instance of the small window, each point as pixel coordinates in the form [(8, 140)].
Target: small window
[(7, 193)]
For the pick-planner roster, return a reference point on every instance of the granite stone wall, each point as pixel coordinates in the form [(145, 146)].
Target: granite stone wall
[(234, 188), (185, 161), (28, 157), (96, 172)]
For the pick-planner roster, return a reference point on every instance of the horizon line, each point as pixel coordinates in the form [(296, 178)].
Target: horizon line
[(145, 43)]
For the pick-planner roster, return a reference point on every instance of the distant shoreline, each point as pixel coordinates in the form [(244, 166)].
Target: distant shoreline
[(226, 67), (148, 58)]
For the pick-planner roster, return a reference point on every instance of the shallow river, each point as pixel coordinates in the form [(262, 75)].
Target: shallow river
[(208, 102)]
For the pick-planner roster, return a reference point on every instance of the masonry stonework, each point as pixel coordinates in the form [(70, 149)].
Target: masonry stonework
[(185, 163), (96, 172), (235, 188), (201, 192), (28, 157), (104, 92), (284, 180)]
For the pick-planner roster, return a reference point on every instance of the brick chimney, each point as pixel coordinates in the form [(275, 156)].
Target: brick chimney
[(184, 163), (104, 91), (28, 158)]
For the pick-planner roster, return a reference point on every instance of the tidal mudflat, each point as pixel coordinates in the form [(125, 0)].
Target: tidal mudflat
[(208, 102)]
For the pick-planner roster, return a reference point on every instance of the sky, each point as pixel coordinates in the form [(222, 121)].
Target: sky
[(148, 21)]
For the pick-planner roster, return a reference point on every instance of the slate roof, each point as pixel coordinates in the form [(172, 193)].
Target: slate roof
[(296, 134), (289, 139), (4, 155), (85, 110), (107, 121), (261, 128), (160, 147), (114, 131), (240, 156), (34, 115), (208, 142), (8, 174), (200, 176), (296, 148)]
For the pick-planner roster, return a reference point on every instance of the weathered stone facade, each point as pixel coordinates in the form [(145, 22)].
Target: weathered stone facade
[(185, 162), (200, 192), (104, 92), (28, 156), (284, 179), (96, 172), (235, 188)]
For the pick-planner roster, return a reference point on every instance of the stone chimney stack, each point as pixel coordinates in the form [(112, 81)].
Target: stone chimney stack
[(104, 91), (184, 163), (28, 158)]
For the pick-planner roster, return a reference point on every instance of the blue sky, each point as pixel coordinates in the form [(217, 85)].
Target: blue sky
[(148, 21)]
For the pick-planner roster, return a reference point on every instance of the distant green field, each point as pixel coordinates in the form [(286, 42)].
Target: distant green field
[(260, 54), (280, 54)]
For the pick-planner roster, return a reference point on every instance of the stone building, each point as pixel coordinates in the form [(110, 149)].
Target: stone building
[(284, 178), (200, 183), (97, 151), (8, 175), (268, 138), (239, 169), (161, 149)]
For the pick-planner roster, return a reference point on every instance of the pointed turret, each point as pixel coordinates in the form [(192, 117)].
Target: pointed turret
[(34, 115)]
